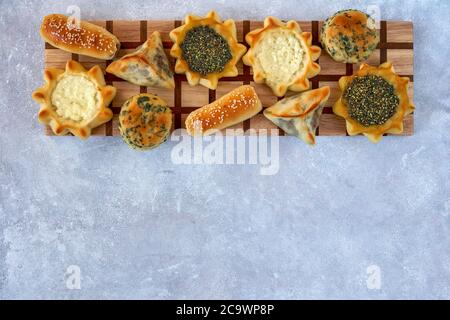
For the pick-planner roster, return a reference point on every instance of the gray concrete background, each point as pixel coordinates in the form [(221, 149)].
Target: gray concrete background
[(139, 226)]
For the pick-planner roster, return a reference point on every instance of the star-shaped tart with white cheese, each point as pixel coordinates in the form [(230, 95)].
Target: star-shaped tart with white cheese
[(74, 100), (206, 49), (282, 56)]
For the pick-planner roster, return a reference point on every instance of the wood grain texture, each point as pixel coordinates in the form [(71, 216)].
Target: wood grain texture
[(396, 46), (400, 31)]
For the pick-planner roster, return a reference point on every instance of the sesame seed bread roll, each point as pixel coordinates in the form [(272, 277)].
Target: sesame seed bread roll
[(236, 106), (89, 40)]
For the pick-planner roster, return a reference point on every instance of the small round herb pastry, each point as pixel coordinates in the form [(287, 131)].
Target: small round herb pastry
[(349, 36), (374, 101), (74, 100), (145, 121), (206, 49)]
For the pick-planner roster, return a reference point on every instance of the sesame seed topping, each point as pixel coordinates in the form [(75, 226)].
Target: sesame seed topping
[(64, 33), (217, 113)]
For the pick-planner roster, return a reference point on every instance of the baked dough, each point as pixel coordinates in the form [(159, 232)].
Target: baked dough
[(299, 115), (225, 30), (145, 121), (282, 56), (395, 123), (74, 100), (89, 40), (147, 66), (236, 106), (349, 36)]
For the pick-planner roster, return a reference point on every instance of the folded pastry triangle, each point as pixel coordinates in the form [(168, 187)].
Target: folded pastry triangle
[(299, 115), (148, 66)]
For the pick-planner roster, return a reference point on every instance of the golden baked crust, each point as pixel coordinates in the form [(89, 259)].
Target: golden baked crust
[(226, 29), (145, 121), (300, 75), (89, 40), (395, 123), (349, 36), (147, 66), (299, 115), (61, 125), (236, 106)]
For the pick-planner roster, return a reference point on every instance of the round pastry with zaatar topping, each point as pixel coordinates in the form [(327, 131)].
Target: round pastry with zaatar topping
[(349, 36), (145, 121), (374, 101), (371, 100), (206, 49)]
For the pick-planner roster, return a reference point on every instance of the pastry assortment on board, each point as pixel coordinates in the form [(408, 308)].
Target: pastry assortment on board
[(373, 101)]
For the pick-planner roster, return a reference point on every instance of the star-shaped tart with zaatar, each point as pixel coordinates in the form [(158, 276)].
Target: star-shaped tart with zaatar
[(374, 101), (206, 49), (282, 56), (74, 100)]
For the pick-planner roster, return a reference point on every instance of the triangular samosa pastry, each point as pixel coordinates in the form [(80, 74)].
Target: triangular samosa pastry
[(148, 66), (299, 115)]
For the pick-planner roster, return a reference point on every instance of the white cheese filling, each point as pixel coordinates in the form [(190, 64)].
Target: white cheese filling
[(280, 56), (76, 98)]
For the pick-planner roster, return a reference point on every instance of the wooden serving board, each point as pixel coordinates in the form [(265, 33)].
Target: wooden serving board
[(396, 45)]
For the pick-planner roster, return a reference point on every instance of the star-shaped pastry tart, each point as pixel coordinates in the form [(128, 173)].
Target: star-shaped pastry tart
[(374, 101), (206, 49), (74, 100), (282, 56)]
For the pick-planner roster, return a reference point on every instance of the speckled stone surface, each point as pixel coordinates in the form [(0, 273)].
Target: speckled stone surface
[(138, 226)]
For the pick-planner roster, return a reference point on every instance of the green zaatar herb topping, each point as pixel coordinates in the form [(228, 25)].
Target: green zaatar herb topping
[(371, 100), (205, 51), (141, 100)]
